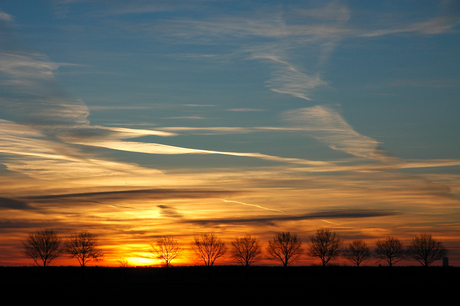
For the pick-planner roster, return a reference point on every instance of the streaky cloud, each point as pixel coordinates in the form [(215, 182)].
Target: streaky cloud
[(253, 205), (156, 148), (139, 193), (244, 110), (5, 17), (169, 211), (8, 203), (33, 153), (447, 18), (273, 220), (437, 25), (30, 94), (92, 133), (329, 127), (288, 79), (430, 163), (209, 130)]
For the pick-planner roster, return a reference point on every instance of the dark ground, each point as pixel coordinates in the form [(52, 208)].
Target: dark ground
[(225, 285)]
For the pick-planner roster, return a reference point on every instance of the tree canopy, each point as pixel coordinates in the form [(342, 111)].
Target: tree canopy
[(246, 250), (285, 247), (43, 246), (426, 249), (391, 250), (84, 247), (356, 252), (166, 249), (209, 248), (325, 245)]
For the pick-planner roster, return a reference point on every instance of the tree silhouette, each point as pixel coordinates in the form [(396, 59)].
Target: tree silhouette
[(44, 246), (426, 250), (246, 250), (391, 250), (356, 252), (208, 248), (285, 247), (124, 263), (325, 245), (166, 249), (84, 247)]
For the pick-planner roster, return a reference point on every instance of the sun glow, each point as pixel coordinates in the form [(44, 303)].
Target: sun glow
[(139, 261)]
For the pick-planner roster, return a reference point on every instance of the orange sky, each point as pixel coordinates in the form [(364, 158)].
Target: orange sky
[(128, 213)]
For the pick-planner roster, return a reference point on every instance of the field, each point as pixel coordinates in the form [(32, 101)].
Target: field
[(229, 284)]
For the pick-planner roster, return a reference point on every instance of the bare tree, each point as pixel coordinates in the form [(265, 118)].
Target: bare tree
[(84, 247), (124, 263), (325, 245), (166, 249), (426, 250), (356, 252), (44, 246), (391, 250), (246, 250), (209, 248), (285, 247)]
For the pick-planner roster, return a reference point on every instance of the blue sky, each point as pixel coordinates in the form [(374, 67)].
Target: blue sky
[(297, 108)]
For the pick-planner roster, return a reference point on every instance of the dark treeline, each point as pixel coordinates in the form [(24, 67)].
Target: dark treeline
[(44, 246), (244, 283)]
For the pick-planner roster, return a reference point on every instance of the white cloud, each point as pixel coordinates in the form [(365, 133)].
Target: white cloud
[(244, 110), (329, 127), (5, 17), (30, 152), (156, 148), (332, 11), (446, 21), (29, 92), (287, 78), (27, 66)]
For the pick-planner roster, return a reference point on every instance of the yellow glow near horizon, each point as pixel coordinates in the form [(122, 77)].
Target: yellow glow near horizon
[(140, 261)]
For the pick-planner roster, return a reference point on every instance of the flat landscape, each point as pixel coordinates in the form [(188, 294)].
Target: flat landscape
[(230, 284)]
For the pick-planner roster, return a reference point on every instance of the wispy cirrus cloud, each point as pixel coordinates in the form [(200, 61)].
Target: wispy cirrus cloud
[(59, 123), (7, 203), (253, 205), (93, 133), (436, 25), (245, 110), (288, 79), (205, 130), (329, 127), (274, 220), (123, 195), (277, 37), (34, 153), (50, 125), (446, 18), (5, 17), (156, 148), (29, 92)]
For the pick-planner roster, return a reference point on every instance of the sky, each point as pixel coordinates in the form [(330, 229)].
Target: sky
[(140, 119)]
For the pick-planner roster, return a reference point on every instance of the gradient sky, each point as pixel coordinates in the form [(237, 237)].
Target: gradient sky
[(138, 119)]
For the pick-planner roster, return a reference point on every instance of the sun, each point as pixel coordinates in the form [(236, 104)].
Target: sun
[(139, 261)]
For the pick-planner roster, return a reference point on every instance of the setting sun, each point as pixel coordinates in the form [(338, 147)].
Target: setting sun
[(139, 262)]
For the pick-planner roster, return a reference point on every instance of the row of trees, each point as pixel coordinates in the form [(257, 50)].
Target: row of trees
[(325, 245), (45, 246)]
